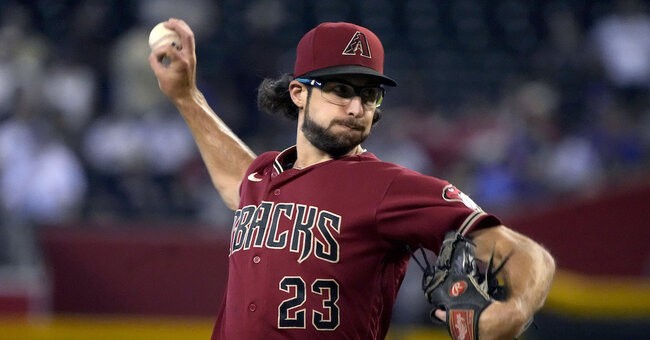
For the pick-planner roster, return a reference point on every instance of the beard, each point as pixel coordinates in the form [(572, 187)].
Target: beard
[(335, 145)]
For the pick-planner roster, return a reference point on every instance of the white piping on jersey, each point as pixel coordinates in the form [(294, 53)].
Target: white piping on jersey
[(277, 165), (469, 222)]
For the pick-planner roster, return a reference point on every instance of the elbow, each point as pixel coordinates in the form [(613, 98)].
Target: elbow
[(546, 274), (548, 263), (551, 265)]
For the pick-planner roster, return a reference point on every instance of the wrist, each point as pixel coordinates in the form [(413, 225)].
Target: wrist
[(502, 320), (192, 98)]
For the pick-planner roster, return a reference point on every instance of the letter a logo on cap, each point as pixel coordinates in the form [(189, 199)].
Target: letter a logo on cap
[(358, 43)]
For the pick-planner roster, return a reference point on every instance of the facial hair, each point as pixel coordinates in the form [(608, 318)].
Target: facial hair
[(335, 145)]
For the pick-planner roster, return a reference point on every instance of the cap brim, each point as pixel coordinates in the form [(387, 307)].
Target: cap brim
[(350, 69)]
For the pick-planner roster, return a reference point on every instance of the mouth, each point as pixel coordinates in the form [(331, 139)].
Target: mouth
[(352, 125)]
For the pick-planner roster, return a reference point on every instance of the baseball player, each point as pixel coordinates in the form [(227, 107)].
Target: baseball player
[(323, 230)]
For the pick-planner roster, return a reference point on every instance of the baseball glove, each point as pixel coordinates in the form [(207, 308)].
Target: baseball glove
[(456, 285)]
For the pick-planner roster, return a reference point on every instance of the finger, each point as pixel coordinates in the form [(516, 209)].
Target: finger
[(440, 315), (159, 60), (163, 55), (155, 61), (184, 32)]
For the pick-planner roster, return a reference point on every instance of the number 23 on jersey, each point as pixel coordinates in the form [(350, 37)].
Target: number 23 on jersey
[(292, 312)]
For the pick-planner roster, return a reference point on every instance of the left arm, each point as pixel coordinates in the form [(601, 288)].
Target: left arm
[(527, 274)]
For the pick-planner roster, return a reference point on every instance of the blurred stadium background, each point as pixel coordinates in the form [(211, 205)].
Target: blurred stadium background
[(539, 110)]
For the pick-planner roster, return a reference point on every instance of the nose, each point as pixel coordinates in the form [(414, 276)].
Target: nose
[(355, 107)]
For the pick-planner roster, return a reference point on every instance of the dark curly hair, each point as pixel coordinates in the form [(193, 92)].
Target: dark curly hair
[(273, 98)]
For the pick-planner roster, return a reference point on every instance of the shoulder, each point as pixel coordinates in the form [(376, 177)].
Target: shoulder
[(369, 162), (394, 178), (262, 161), (398, 173), (410, 184)]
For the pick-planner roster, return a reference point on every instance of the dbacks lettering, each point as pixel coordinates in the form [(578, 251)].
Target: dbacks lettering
[(302, 229)]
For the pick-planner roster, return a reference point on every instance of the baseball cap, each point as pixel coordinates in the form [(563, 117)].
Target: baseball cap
[(339, 48)]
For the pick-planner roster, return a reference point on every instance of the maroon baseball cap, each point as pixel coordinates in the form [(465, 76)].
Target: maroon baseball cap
[(339, 48)]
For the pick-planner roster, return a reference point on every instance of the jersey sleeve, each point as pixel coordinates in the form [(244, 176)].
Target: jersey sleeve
[(258, 165), (261, 161), (419, 210)]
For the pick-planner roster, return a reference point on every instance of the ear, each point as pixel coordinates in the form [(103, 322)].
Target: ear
[(298, 93)]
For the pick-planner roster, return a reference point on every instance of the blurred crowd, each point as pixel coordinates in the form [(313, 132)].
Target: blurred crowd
[(517, 103)]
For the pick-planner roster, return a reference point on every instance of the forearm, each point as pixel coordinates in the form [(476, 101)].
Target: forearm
[(527, 275), (225, 155)]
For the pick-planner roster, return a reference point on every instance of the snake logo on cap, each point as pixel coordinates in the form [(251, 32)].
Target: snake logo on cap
[(358, 43)]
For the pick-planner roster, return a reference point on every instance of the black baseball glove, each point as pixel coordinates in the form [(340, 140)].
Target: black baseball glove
[(457, 285)]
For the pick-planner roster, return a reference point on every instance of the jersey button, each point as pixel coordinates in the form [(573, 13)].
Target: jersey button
[(256, 259), (252, 307), (276, 192)]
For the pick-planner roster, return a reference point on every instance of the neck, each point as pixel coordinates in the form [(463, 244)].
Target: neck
[(308, 155)]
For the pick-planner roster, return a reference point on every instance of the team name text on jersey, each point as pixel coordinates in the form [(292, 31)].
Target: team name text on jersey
[(305, 230)]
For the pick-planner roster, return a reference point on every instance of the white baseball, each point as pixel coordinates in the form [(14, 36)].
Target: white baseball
[(161, 35)]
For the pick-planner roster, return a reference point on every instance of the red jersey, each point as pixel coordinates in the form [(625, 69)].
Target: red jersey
[(320, 253)]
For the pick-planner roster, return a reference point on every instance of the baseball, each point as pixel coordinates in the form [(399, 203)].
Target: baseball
[(161, 35)]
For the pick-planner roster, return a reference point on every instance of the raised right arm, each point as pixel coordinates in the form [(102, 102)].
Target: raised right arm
[(224, 154)]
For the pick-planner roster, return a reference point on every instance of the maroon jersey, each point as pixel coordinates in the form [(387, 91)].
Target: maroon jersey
[(320, 253)]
